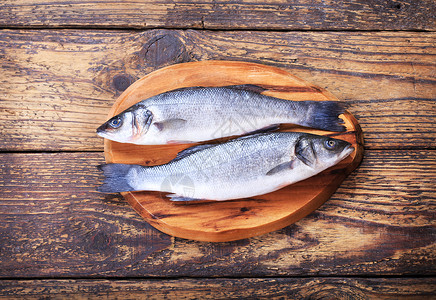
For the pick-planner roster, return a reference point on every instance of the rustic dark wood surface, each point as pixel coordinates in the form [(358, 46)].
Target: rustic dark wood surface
[(224, 288), (63, 64), (222, 14)]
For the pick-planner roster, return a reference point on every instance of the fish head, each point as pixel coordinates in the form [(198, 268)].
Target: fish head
[(128, 126), (322, 152)]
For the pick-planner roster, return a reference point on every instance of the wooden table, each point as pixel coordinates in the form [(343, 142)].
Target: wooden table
[(63, 64)]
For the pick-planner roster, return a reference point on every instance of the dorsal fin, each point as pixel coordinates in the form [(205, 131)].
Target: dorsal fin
[(246, 87), (266, 129), (185, 89), (191, 150), (249, 136)]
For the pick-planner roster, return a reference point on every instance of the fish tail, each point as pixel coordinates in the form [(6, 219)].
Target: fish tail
[(116, 178), (325, 115)]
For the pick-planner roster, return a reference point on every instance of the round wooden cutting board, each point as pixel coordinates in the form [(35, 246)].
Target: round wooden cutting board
[(236, 219)]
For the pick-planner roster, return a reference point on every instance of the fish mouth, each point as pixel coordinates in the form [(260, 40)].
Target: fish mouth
[(347, 151), (101, 131)]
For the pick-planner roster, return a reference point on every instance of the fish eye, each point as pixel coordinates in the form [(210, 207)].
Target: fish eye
[(330, 144), (115, 122)]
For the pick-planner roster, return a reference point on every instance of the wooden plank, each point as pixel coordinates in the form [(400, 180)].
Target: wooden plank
[(269, 15), (57, 86), (381, 221), (217, 288)]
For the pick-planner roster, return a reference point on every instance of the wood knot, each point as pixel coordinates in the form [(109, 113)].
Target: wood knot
[(397, 5), (99, 242), (121, 82), (164, 49)]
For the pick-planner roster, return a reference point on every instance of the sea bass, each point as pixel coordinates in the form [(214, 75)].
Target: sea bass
[(240, 168), (198, 114)]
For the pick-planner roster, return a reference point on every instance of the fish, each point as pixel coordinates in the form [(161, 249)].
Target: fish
[(240, 168), (198, 114)]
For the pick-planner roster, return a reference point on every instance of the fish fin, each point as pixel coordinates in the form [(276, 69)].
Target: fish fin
[(325, 115), (282, 167), (265, 129), (115, 178), (170, 124), (176, 142), (247, 87), (248, 136), (178, 198), (188, 88), (304, 151), (191, 150)]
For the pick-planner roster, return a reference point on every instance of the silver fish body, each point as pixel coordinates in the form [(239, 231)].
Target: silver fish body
[(241, 168), (205, 113)]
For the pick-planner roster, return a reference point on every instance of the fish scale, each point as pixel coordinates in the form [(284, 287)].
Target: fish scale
[(240, 168), (199, 114)]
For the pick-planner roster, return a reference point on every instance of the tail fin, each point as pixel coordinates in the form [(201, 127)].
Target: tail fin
[(116, 178), (325, 115)]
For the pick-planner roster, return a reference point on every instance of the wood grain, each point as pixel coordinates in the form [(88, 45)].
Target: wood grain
[(206, 288), (57, 86), (381, 221), (221, 14)]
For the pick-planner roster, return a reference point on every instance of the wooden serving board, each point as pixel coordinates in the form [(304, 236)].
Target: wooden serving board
[(236, 219)]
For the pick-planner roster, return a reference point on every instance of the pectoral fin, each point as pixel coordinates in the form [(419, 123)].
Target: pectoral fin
[(305, 152), (282, 167), (170, 124)]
